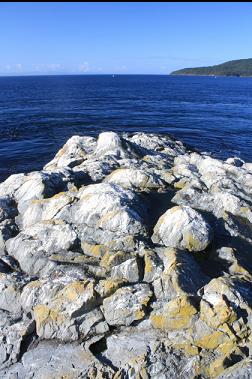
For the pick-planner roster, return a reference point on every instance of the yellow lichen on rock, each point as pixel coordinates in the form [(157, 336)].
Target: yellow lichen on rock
[(127, 241), (111, 259), (139, 314), (177, 314), (219, 314), (189, 349), (216, 367), (193, 244), (96, 251), (181, 183), (213, 340), (73, 290), (43, 315), (148, 262), (107, 287)]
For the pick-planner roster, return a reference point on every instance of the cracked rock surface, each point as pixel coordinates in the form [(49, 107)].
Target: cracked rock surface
[(127, 256)]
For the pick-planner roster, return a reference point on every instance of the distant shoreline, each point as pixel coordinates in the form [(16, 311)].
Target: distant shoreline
[(219, 76), (237, 68)]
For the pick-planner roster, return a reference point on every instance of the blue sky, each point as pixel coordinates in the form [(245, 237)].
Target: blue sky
[(122, 38)]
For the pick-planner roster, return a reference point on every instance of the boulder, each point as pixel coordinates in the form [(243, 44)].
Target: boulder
[(109, 143), (39, 185), (72, 153), (106, 214), (184, 228), (182, 276), (11, 285), (45, 209)]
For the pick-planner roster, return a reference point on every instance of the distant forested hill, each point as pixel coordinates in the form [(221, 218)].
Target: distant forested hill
[(241, 67)]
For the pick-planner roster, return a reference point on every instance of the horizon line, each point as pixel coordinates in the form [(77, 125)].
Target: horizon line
[(90, 74)]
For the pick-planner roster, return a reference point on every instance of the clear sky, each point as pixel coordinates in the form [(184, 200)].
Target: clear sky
[(126, 38)]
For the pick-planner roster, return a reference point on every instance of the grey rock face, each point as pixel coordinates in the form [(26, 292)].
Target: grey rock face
[(127, 304), (33, 247), (11, 286), (182, 275), (64, 307), (45, 209), (240, 370), (51, 360), (11, 337), (128, 270), (127, 256), (29, 253), (131, 350)]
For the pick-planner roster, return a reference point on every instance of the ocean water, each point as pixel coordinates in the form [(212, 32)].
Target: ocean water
[(39, 114)]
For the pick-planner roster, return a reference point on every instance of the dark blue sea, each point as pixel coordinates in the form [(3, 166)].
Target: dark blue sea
[(38, 114)]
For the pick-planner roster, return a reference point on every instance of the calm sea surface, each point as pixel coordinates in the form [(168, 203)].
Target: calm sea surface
[(38, 114)]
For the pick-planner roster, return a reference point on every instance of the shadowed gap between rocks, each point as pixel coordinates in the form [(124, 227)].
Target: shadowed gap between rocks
[(157, 204), (207, 260), (99, 347), (28, 342)]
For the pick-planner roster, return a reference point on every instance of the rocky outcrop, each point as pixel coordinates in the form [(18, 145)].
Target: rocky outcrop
[(127, 256)]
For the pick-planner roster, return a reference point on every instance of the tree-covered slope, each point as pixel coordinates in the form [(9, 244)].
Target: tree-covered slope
[(241, 67)]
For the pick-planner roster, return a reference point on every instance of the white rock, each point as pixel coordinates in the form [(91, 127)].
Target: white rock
[(109, 143), (45, 209), (184, 228), (11, 184), (134, 178), (54, 237), (72, 153), (107, 208)]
